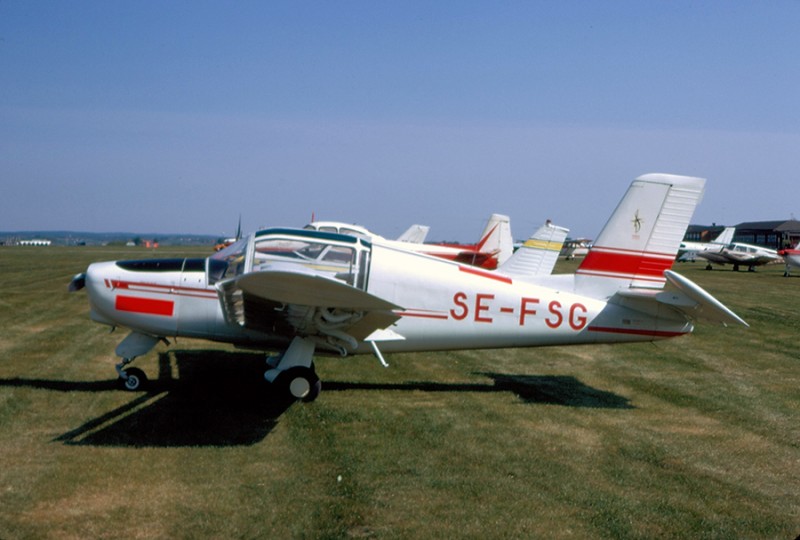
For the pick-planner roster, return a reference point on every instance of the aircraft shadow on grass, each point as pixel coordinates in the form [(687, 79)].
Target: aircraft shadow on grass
[(221, 399)]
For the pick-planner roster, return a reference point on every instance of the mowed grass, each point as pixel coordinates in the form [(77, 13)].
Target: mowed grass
[(693, 437)]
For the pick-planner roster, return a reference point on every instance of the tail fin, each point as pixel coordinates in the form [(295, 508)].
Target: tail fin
[(415, 234), (725, 237), (642, 236), (496, 238), (538, 255)]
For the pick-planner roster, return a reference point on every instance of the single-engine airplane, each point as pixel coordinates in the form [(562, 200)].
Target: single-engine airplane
[(415, 234), (494, 247), (308, 292)]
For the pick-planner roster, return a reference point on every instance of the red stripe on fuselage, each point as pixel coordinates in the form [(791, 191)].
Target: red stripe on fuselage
[(626, 263), (148, 306), (475, 271), (161, 288), (636, 331)]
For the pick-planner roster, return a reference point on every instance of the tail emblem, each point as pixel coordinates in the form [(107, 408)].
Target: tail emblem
[(637, 222)]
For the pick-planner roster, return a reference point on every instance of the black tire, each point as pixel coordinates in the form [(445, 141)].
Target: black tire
[(136, 380)]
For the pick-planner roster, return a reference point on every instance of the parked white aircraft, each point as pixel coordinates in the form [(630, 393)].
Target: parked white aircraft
[(689, 250), (415, 234), (308, 292), (739, 254), (494, 247)]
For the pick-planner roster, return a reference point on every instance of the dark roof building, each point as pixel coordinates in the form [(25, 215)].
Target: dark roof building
[(772, 234)]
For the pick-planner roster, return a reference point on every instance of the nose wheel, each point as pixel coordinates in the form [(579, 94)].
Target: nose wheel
[(131, 379)]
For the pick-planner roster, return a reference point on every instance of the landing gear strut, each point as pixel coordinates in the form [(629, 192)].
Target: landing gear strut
[(293, 375), (135, 344)]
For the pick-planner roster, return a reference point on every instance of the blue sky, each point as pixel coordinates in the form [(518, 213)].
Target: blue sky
[(180, 116)]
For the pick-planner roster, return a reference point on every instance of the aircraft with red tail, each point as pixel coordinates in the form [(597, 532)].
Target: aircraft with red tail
[(308, 293)]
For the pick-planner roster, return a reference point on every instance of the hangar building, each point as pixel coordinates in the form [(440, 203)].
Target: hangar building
[(772, 234)]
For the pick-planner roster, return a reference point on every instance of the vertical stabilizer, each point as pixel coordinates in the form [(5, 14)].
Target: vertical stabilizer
[(725, 237), (538, 255), (642, 237), (496, 238), (415, 234)]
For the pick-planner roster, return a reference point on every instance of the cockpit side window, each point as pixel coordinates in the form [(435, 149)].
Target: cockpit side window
[(325, 258)]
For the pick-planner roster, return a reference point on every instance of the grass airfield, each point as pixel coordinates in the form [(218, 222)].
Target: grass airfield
[(695, 437)]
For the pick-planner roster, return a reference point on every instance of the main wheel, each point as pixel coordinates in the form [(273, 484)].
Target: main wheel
[(300, 383), (136, 379)]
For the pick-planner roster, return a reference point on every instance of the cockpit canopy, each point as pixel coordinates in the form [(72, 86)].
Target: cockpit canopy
[(342, 257)]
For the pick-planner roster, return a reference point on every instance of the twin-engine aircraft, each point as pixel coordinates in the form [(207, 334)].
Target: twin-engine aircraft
[(309, 292), (739, 254), (688, 250)]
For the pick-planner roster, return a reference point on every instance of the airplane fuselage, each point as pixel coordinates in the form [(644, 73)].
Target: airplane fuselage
[(306, 292), (443, 305)]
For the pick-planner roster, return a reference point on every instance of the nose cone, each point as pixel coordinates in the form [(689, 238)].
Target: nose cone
[(98, 279)]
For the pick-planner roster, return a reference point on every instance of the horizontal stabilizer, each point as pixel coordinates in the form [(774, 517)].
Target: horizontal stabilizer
[(694, 301)]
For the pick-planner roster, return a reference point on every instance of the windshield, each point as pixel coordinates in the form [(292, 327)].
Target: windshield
[(228, 262)]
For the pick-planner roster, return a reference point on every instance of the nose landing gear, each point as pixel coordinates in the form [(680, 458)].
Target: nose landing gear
[(132, 379), (135, 344)]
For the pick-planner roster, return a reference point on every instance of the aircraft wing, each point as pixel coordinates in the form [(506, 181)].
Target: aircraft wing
[(308, 290), (303, 303), (714, 256)]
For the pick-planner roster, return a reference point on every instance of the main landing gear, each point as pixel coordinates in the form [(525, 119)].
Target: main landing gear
[(292, 374)]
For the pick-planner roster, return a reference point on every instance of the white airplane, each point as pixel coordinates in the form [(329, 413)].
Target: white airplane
[(689, 250), (791, 257), (577, 247), (308, 292), (494, 247), (415, 234), (739, 254)]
